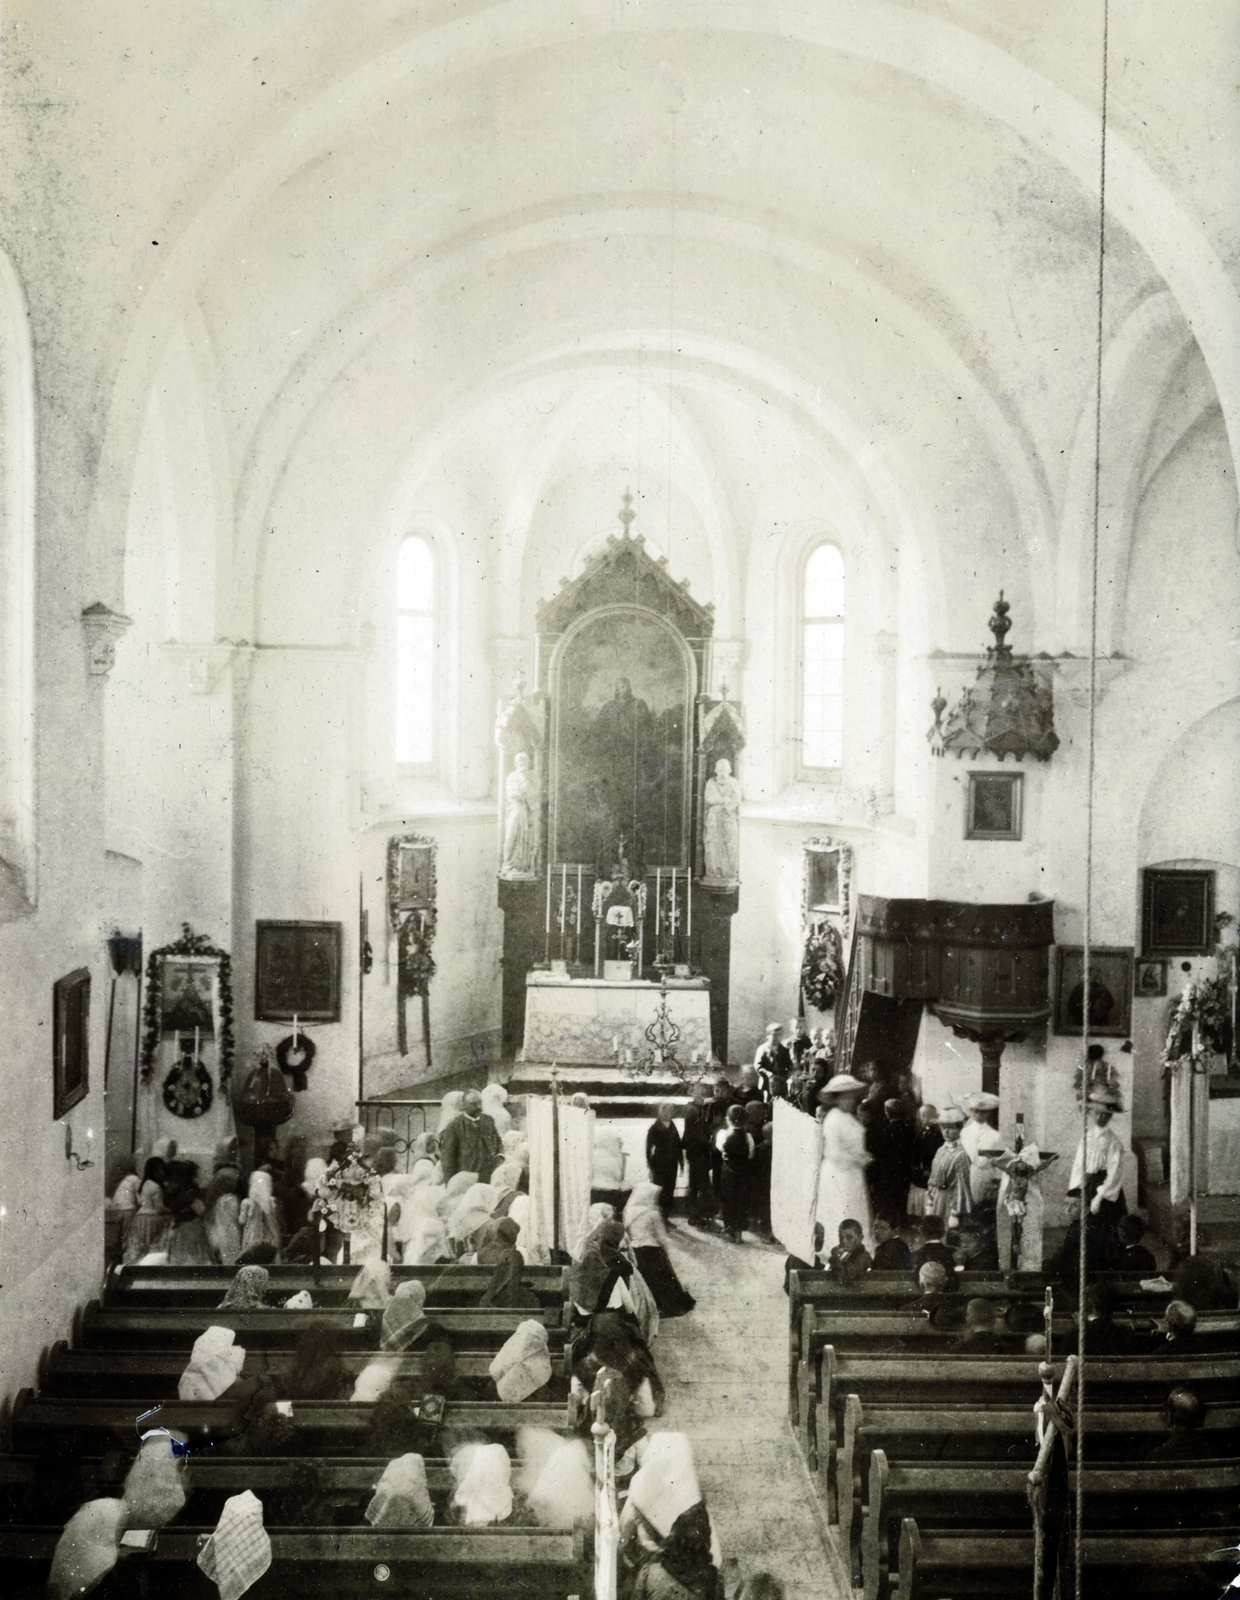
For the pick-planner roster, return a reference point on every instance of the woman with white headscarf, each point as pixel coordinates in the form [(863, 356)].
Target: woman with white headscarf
[(665, 1528), (88, 1548), (494, 1105), (522, 1365), (483, 1475), (450, 1108), (427, 1243), (214, 1365), (647, 1231), (401, 1498), (260, 1221)]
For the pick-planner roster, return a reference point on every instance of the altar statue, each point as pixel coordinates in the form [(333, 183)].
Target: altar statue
[(721, 829), (520, 831)]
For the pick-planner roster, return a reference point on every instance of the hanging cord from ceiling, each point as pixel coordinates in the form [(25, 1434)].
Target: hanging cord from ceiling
[(1087, 940)]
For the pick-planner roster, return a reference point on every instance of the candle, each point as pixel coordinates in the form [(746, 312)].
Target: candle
[(563, 906), (294, 1030), (578, 899), (673, 912), (195, 1041), (547, 928), (658, 903), (688, 915)]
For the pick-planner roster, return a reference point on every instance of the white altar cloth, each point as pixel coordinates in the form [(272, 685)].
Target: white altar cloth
[(584, 1021)]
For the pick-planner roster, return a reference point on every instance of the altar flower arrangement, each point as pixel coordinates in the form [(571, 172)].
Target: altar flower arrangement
[(348, 1193)]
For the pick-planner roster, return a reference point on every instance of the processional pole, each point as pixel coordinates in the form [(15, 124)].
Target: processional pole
[(555, 1161)]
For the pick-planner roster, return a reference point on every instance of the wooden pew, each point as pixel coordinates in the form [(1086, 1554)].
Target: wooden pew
[(446, 1284), (892, 1290), (320, 1422), (1000, 1561), (886, 1333), (443, 1561), (990, 1380), (1001, 1434), (945, 1492), (154, 1374), (168, 1328)]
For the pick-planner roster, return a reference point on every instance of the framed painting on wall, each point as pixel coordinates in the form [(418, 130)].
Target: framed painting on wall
[(297, 971), (1110, 990), (1151, 979), (70, 1041), (1177, 912), (995, 800)]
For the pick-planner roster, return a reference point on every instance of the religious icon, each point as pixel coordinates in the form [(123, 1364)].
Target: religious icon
[(1178, 912), (297, 971), (1151, 980), (994, 806), (1110, 990), (187, 995)]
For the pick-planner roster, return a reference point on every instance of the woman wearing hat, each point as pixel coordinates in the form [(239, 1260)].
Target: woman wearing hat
[(842, 1192), (949, 1194), (978, 1134), (1099, 1162)]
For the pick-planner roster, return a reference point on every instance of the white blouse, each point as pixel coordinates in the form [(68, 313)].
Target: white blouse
[(1100, 1151)]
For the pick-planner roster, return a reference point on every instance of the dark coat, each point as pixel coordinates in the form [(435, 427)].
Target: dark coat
[(470, 1145), (664, 1150)]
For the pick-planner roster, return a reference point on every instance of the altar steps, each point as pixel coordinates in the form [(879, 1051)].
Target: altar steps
[(613, 1094)]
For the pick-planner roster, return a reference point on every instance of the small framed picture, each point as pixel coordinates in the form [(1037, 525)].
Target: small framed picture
[(70, 1041), (1110, 990), (1177, 907), (994, 810), (297, 971), (415, 876), (1151, 979)]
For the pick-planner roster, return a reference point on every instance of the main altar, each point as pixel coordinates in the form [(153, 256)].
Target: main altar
[(619, 829), (589, 1022)]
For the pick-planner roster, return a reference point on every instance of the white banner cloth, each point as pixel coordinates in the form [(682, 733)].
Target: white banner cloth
[(574, 1156), (794, 1179)]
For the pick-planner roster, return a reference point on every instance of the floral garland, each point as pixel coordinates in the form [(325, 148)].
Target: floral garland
[(189, 944), (822, 966), (415, 966)]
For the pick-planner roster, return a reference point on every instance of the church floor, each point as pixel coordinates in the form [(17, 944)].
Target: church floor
[(725, 1368)]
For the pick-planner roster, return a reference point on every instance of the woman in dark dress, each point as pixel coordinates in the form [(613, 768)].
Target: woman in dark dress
[(647, 1231)]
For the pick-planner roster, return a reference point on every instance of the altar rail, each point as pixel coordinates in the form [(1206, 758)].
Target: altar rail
[(408, 1119)]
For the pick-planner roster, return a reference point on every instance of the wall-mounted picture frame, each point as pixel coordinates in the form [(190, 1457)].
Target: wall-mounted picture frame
[(1150, 982), (70, 1041), (1110, 997), (995, 805), (827, 871), (297, 971), (411, 875), (1177, 911), (187, 994)]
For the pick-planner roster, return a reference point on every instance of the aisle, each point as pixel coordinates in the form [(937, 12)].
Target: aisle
[(725, 1367)]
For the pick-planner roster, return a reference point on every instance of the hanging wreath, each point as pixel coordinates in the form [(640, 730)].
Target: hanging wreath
[(296, 1057), (188, 1091), (822, 966), (189, 944)]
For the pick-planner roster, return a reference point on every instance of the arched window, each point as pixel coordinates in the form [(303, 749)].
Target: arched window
[(822, 659), (415, 653)]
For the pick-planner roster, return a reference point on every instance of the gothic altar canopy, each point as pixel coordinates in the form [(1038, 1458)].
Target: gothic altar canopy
[(626, 648), (619, 845)]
